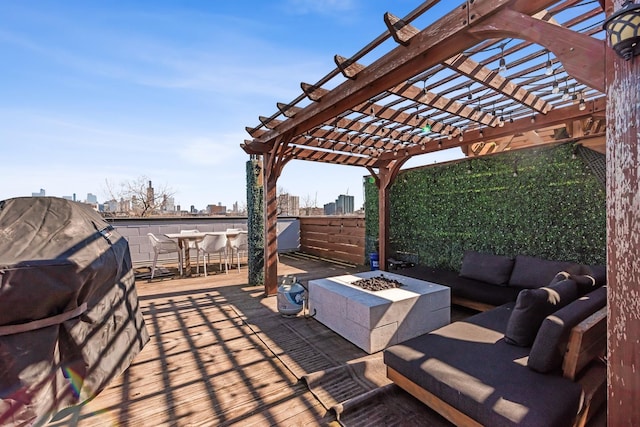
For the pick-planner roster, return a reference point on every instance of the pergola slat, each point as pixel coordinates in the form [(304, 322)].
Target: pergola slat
[(466, 66)]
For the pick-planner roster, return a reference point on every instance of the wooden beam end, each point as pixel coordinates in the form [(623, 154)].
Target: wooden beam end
[(399, 29)]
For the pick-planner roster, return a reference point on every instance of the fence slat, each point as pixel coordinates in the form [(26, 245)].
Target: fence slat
[(335, 237)]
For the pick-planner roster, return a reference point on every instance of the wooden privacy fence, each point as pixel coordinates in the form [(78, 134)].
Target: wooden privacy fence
[(335, 237)]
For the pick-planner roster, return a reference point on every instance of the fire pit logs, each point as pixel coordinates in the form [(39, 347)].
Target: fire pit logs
[(377, 283)]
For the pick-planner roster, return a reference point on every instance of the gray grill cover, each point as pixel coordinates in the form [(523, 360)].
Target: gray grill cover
[(69, 315)]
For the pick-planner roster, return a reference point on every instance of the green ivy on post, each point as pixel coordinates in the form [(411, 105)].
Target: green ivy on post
[(255, 221)]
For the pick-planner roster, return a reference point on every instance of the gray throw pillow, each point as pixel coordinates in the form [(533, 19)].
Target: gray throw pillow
[(586, 283), (488, 268), (550, 344), (533, 305), (531, 272)]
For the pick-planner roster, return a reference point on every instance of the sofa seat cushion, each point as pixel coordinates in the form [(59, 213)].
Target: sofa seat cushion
[(468, 365), (533, 305), (531, 272), (463, 287), (489, 268), (550, 343)]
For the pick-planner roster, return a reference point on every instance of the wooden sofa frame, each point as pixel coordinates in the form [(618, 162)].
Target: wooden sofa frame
[(469, 303), (584, 362)]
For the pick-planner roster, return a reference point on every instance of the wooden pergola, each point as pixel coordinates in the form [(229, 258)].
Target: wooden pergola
[(489, 76)]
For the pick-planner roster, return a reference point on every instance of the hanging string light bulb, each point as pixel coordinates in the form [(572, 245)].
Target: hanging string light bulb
[(548, 68), (502, 66), (565, 94), (426, 128)]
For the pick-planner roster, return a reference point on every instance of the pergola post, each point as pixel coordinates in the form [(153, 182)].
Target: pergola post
[(623, 236), (271, 226), (274, 161), (383, 223), (384, 179)]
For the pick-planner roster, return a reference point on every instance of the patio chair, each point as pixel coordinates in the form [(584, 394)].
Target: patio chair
[(212, 244), (237, 244), (193, 244), (163, 245)]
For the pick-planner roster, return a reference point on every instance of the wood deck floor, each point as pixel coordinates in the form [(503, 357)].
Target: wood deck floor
[(208, 362), (220, 354)]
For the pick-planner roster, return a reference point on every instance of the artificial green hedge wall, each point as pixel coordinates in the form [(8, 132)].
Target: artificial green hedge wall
[(541, 202)]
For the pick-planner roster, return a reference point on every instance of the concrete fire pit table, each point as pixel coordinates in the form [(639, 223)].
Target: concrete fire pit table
[(374, 320)]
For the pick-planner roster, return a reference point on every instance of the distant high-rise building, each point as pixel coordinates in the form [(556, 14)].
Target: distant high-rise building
[(111, 205), (330, 208), (288, 205), (344, 204), (168, 204), (40, 194), (124, 205), (92, 198), (150, 195)]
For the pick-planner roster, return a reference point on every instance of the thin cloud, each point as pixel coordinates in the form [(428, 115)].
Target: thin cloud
[(211, 151)]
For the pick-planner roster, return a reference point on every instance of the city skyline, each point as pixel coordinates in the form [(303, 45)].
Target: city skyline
[(235, 206)]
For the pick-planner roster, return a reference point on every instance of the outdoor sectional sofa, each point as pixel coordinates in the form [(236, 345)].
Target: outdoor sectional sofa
[(486, 281), (536, 361)]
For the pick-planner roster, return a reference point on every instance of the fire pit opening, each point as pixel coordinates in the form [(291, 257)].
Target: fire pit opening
[(378, 283)]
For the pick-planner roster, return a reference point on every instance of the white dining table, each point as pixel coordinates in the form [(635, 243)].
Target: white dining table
[(183, 240)]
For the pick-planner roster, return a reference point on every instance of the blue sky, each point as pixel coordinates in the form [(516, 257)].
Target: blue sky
[(93, 94)]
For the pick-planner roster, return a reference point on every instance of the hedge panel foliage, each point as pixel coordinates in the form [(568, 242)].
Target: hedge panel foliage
[(539, 202)]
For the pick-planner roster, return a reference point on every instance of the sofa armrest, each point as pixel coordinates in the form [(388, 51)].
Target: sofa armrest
[(587, 341)]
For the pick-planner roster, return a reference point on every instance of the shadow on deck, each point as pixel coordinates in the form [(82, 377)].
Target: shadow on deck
[(221, 354)]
